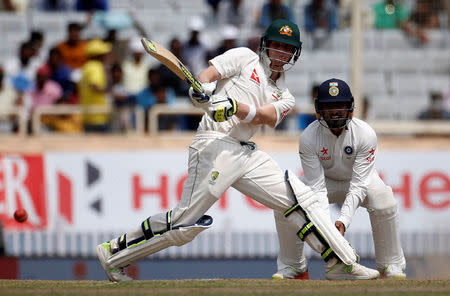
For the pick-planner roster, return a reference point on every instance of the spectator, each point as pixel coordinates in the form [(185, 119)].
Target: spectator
[(320, 15), (90, 5), (122, 99), (37, 42), (118, 47), (92, 87), (8, 100), (22, 67), (436, 109), (46, 91), (320, 20), (426, 14), (73, 50), (135, 69), (153, 94), (272, 10), (391, 14), (168, 78), (194, 51), (113, 22), (60, 73)]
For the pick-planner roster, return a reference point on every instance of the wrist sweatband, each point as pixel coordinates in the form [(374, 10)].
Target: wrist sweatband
[(251, 114)]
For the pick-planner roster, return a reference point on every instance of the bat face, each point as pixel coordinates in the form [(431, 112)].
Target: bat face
[(172, 62)]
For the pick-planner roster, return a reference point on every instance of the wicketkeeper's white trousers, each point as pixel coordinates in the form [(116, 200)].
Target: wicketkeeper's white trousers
[(382, 207)]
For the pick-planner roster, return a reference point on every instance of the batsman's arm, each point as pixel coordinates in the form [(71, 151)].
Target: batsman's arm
[(262, 115), (210, 74)]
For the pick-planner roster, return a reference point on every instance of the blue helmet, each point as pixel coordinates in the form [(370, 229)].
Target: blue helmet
[(330, 92)]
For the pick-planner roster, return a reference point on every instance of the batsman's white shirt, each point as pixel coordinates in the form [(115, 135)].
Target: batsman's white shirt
[(245, 80), (219, 155), (349, 158)]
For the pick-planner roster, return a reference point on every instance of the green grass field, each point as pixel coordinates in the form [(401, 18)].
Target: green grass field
[(226, 287)]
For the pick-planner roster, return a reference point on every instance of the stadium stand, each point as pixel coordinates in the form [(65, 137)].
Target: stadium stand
[(395, 65)]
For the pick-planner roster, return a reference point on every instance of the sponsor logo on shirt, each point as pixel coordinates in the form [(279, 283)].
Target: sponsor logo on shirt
[(324, 152), (255, 77), (371, 156)]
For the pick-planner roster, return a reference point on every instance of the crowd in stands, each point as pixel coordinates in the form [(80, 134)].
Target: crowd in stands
[(108, 71)]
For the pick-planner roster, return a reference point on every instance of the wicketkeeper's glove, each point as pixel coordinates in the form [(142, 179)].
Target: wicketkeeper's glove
[(201, 100), (222, 109)]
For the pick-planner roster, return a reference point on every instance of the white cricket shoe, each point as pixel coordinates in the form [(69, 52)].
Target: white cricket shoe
[(114, 275), (290, 273), (393, 272), (340, 271)]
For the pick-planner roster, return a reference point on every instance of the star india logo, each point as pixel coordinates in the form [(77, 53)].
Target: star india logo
[(286, 30)]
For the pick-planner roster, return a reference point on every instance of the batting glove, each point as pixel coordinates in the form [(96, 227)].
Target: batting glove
[(201, 100), (222, 109)]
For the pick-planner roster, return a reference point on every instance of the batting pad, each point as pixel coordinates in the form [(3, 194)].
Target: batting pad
[(308, 202), (177, 236)]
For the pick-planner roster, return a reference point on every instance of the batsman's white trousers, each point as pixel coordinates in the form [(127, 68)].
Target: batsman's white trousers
[(382, 207), (216, 162)]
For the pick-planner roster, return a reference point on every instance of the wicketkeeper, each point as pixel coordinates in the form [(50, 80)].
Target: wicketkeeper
[(338, 155)]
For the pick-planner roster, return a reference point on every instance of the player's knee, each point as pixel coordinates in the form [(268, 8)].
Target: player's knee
[(382, 199)]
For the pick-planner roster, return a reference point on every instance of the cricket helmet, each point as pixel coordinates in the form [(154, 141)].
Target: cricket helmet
[(283, 31), (334, 91)]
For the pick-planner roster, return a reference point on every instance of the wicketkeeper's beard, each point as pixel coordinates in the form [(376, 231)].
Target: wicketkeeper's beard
[(336, 124)]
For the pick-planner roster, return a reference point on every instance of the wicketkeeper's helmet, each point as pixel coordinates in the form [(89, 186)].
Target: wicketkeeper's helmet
[(334, 91)]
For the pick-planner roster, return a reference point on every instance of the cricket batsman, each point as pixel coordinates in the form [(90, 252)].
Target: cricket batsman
[(338, 155), (242, 91)]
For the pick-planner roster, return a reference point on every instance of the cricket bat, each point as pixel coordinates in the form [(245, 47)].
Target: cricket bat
[(172, 62)]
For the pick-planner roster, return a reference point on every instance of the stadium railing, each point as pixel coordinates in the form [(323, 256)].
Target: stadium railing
[(76, 109), (381, 127), (163, 109)]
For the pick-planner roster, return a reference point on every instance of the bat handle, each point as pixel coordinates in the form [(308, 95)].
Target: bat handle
[(197, 87)]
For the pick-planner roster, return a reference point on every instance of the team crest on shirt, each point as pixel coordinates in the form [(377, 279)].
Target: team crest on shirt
[(286, 30), (214, 176), (348, 150), (276, 95), (255, 77)]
